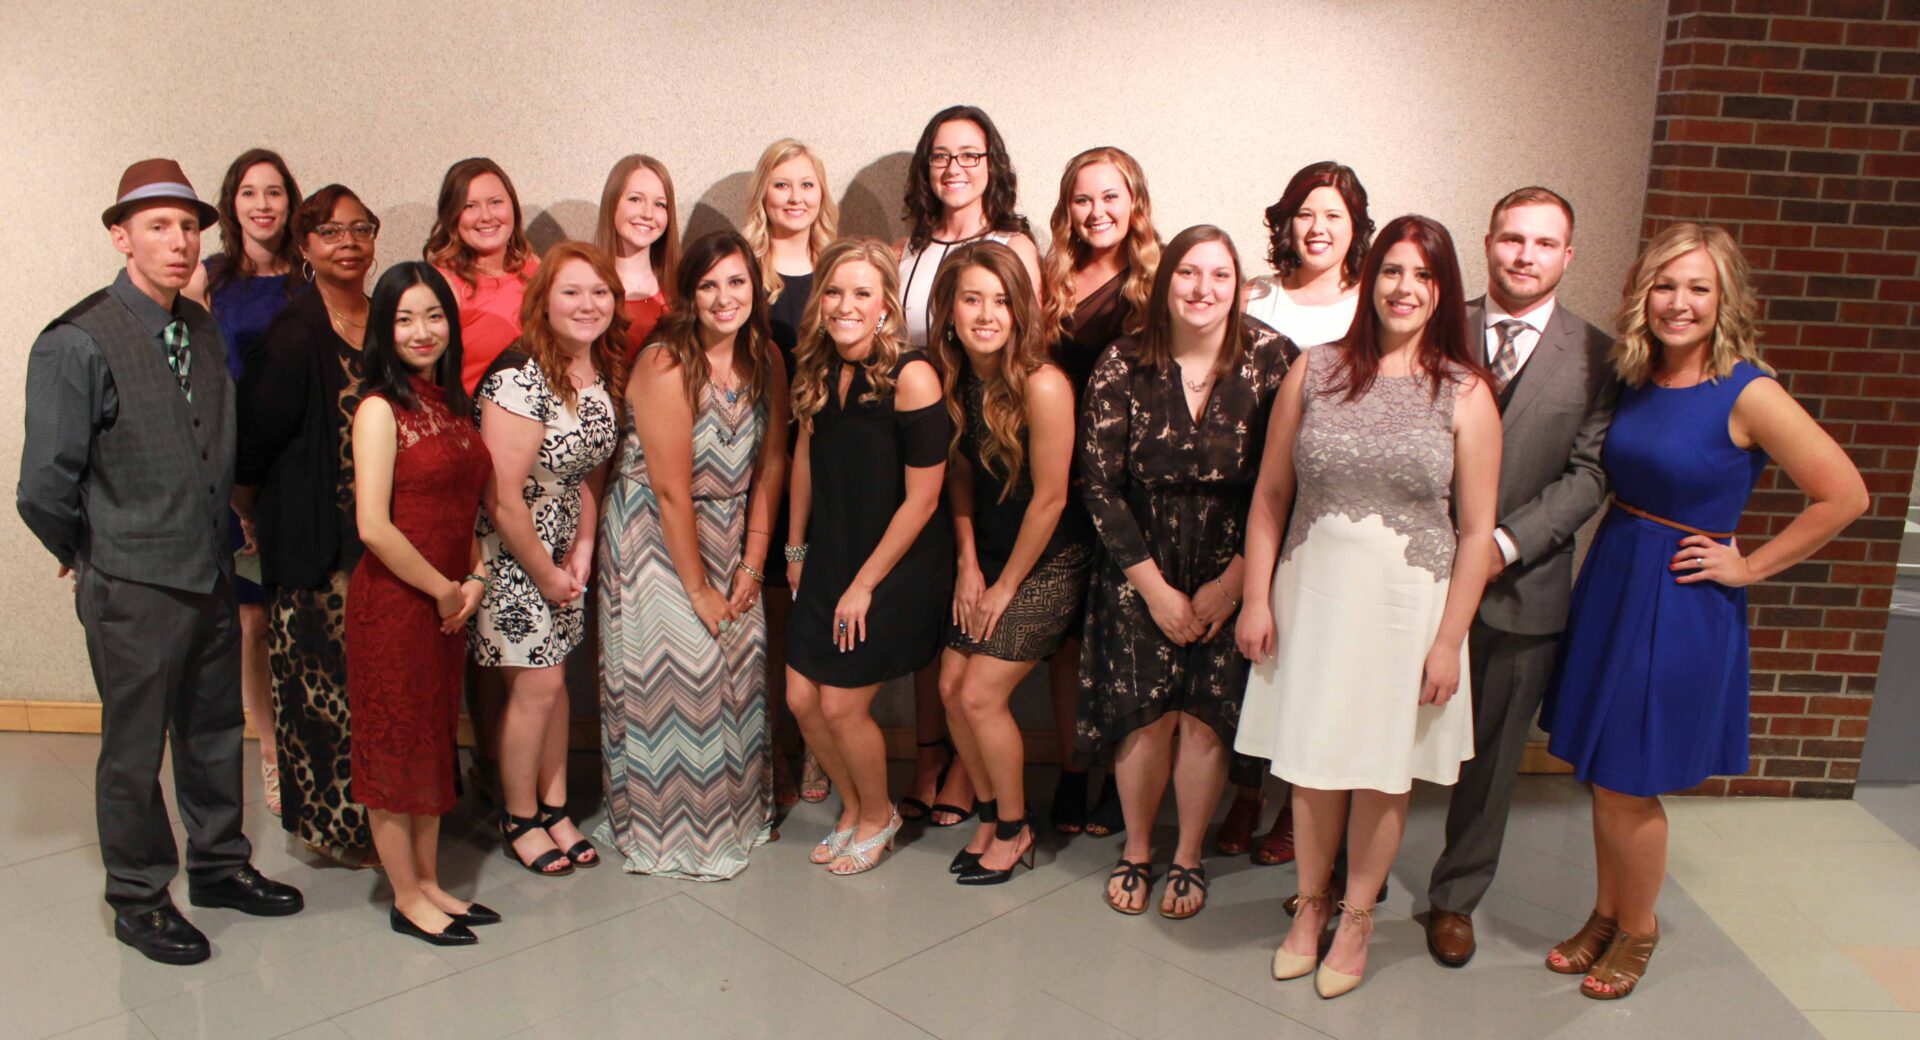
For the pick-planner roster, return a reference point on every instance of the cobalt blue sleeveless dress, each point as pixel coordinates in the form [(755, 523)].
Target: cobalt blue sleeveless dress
[(1650, 691), (243, 308)]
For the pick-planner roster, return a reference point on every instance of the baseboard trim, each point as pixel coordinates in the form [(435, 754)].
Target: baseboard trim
[(584, 733)]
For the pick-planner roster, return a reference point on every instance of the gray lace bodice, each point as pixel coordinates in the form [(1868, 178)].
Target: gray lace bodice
[(1387, 454)]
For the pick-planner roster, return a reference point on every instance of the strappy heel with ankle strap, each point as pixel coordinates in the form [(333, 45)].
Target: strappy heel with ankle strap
[(512, 827), (865, 855), (1329, 983), (1299, 965), (1003, 830), (582, 853), (963, 860)]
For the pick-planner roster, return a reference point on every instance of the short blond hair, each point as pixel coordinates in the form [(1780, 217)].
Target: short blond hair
[(1735, 328)]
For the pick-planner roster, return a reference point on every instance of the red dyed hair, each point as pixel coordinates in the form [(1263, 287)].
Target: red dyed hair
[(1444, 353)]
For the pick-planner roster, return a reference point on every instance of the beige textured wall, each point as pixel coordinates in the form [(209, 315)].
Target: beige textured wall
[(1441, 107)]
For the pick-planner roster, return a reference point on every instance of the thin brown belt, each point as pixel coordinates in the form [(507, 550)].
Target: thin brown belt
[(1663, 521)]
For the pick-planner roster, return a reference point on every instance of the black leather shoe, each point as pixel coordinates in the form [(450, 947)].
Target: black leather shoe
[(162, 935), (477, 915), (454, 934), (250, 893)]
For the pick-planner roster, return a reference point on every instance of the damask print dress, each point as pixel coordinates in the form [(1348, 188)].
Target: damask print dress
[(683, 713), (1163, 485), (515, 625), (1359, 591)]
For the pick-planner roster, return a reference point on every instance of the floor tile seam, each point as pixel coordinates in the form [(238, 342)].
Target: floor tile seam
[(1182, 969), (321, 1016), (102, 1018), (48, 855)]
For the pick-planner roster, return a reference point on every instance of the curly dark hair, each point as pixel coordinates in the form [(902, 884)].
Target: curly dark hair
[(1280, 246), (923, 206)]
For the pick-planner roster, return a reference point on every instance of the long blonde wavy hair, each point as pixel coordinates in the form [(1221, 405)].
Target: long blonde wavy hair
[(1735, 327), (816, 349), (1004, 403), (826, 221), (1066, 250)]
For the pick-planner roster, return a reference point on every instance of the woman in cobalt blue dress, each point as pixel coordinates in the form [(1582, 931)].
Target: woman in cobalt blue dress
[(1650, 694)]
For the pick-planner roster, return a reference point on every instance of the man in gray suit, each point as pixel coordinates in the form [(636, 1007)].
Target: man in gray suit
[(124, 477), (1556, 391)]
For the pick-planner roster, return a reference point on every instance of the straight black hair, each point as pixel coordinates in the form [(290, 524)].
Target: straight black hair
[(386, 374)]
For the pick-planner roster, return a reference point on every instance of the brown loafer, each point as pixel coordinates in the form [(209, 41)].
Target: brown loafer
[(1450, 938)]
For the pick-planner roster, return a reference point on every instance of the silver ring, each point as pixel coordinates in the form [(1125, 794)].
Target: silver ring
[(842, 623), (1697, 558)]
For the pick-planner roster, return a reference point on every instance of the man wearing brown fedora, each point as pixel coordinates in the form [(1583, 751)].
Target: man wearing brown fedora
[(124, 477)]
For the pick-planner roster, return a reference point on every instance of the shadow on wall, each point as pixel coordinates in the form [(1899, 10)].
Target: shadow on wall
[(565, 220), (870, 202), (719, 208), (403, 235)]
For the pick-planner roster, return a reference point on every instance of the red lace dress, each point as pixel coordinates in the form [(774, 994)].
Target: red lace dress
[(403, 673)]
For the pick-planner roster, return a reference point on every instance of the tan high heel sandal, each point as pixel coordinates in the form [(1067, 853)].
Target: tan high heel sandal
[(1585, 946), (1299, 965), (1329, 983), (1621, 967)]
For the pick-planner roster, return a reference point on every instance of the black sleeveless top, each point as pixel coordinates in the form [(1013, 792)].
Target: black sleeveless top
[(997, 519)]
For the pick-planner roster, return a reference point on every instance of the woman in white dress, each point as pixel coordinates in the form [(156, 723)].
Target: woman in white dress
[(1318, 234), (1358, 636)]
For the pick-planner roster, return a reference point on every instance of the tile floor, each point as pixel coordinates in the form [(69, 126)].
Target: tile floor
[(1787, 920)]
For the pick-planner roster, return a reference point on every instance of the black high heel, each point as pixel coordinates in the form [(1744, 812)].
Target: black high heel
[(963, 860), (454, 934), (1106, 818), (552, 814), (512, 827), (1004, 830), (1069, 811)]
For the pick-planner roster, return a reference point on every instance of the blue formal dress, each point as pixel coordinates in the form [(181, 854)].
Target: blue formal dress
[(1650, 691), (243, 308)]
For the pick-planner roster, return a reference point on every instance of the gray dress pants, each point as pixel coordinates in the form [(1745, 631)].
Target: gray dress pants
[(166, 663)]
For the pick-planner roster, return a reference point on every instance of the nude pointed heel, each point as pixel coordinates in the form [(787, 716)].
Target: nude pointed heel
[(1329, 983), (1297, 965)]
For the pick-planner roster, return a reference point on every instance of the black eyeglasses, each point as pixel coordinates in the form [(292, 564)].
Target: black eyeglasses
[(967, 160), (359, 229)]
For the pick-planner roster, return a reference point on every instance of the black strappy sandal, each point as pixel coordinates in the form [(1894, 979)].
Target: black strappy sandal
[(583, 854), (923, 811), (1131, 876), (1005, 830), (512, 827), (1181, 881)]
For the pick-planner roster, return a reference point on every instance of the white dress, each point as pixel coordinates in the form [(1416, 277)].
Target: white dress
[(1305, 326), (1358, 595), (917, 272)]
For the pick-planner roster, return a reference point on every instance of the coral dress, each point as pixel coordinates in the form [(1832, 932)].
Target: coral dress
[(403, 673)]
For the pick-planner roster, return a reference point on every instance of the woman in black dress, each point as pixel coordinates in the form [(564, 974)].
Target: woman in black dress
[(791, 217), (1099, 271), (1023, 564), (866, 483), (1174, 422), (295, 474)]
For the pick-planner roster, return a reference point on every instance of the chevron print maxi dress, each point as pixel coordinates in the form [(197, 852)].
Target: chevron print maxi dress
[(683, 714)]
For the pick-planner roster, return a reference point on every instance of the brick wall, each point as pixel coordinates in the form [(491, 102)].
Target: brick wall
[(1795, 124)]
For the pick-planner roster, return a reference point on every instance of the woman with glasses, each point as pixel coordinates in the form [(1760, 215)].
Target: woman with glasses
[(960, 189), (295, 485)]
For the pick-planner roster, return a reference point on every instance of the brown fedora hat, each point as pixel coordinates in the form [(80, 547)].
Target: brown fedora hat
[(151, 179)]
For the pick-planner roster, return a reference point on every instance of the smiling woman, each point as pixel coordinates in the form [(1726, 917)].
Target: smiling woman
[(639, 226), (480, 246)]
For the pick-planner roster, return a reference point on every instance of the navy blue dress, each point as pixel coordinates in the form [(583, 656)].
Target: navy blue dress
[(243, 308), (1650, 691)]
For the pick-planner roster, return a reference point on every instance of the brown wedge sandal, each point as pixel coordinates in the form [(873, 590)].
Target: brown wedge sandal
[(1621, 966), (1586, 946)]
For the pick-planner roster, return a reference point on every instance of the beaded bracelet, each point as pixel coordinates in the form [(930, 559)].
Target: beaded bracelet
[(795, 553)]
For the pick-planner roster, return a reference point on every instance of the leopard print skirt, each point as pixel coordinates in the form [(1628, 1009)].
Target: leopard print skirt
[(306, 651)]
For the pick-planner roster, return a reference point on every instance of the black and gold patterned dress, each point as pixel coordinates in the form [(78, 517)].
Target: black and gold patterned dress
[(297, 400), (1049, 598), (1164, 486)]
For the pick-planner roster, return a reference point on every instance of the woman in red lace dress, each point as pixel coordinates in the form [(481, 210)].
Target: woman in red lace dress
[(419, 467)]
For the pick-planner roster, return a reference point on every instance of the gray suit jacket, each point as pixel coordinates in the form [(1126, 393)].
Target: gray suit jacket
[(1551, 482)]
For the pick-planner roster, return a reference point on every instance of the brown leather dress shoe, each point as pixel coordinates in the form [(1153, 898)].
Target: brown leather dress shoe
[(1450, 938)]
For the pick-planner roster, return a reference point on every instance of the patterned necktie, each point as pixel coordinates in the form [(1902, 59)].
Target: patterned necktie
[(177, 357), (1506, 357)]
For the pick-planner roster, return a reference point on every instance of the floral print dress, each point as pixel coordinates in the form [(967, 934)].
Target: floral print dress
[(515, 625), (1163, 485)]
